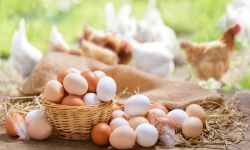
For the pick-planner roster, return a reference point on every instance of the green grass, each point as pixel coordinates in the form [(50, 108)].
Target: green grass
[(197, 17)]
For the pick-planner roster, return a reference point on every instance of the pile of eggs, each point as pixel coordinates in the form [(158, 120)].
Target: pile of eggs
[(142, 122), (75, 88), (34, 125)]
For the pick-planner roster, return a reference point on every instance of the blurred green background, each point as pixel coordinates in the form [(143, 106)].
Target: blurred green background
[(196, 18)]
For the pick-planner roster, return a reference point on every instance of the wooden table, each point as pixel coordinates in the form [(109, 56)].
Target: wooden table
[(55, 143)]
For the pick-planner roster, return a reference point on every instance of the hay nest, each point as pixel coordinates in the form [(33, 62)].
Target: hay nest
[(226, 124)]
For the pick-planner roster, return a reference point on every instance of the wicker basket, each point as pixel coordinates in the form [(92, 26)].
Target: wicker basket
[(76, 122)]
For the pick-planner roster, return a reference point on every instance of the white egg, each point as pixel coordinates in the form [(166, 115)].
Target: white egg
[(75, 84), (91, 99), (99, 74), (34, 115), (117, 122), (179, 116), (146, 135), (137, 105), (106, 88)]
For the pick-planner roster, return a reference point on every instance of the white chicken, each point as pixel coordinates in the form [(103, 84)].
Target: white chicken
[(152, 57), (122, 23), (238, 12), (57, 42), (24, 56)]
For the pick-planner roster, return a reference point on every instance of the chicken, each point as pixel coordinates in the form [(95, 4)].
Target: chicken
[(24, 56), (211, 60), (152, 57), (109, 41), (57, 42), (238, 12)]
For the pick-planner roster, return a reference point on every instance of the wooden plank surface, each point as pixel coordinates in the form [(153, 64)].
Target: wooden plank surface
[(55, 143)]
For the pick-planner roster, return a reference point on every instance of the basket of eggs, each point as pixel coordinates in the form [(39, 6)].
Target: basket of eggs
[(77, 101)]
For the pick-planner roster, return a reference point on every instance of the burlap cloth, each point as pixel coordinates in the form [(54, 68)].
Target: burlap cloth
[(171, 93)]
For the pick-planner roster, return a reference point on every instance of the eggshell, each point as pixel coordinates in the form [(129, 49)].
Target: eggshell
[(91, 99), (117, 122), (146, 135), (34, 115), (100, 134), (154, 114), (99, 74), (122, 137), (72, 100), (136, 121), (179, 116), (40, 129), (119, 114), (195, 110), (137, 105), (115, 107), (11, 122), (192, 127), (75, 84), (106, 88), (160, 106), (54, 91), (92, 80), (64, 72)]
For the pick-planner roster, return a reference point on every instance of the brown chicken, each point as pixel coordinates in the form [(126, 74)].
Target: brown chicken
[(107, 40), (211, 60)]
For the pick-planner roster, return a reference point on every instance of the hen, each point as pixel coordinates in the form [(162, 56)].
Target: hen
[(211, 60), (24, 56)]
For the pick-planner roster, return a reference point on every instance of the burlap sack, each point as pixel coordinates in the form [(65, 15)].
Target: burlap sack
[(171, 93)]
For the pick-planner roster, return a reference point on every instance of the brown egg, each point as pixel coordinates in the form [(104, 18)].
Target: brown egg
[(12, 121), (136, 121), (64, 72), (192, 127), (195, 110), (115, 107), (100, 134), (160, 106), (155, 113), (75, 84), (72, 100), (118, 114), (162, 121), (40, 129), (92, 80), (54, 91)]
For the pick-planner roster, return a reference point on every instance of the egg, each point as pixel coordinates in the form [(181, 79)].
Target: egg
[(15, 126), (34, 115), (160, 106), (146, 135), (64, 72), (122, 137), (195, 110), (72, 100), (54, 91), (117, 122), (75, 84), (99, 74), (179, 116), (92, 80), (119, 114), (166, 121), (137, 105), (106, 89), (115, 107), (192, 127), (100, 134), (155, 113), (91, 99), (136, 121), (40, 129)]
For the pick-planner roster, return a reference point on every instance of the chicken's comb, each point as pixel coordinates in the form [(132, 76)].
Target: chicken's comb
[(237, 28)]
